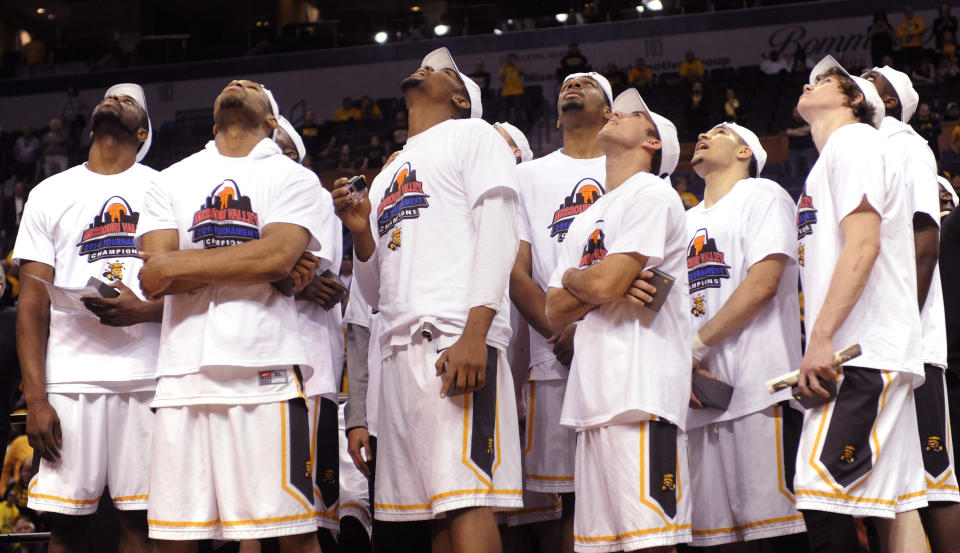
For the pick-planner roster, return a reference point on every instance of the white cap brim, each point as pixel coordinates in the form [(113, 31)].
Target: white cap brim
[(526, 154), (441, 59), (135, 91), (870, 94), (294, 137), (903, 86), (750, 139), (630, 101), (600, 79)]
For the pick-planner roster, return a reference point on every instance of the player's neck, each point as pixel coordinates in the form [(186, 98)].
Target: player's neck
[(720, 182), (580, 137), (423, 117), (822, 127), (234, 140), (110, 155), (623, 164)]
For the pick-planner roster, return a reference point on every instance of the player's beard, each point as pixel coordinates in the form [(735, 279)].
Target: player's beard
[(410, 82), (231, 102), (572, 105), (101, 117)]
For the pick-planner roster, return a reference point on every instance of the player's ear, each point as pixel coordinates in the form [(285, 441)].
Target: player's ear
[(460, 102), (271, 121), (890, 102), (214, 129), (142, 135)]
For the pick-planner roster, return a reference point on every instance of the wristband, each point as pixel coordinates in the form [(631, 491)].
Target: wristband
[(698, 347)]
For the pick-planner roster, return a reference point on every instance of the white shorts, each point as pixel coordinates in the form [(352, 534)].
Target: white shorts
[(325, 460), (440, 454), (354, 486), (632, 488), (859, 454), (231, 472), (537, 507), (741, 474), (106, 442), (936, 439), (550, 450)]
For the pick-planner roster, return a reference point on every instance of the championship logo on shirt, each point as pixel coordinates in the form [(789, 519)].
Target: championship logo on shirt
[(806, 216), (403, 199), (705, 263), (595, 250), (584, 194), (111, 233), (226, 218)]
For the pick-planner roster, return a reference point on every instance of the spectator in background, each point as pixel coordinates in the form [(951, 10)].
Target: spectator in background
[(799, 64), (881, 36), (310, 132), (925, 72), (573, 62), (801, 153), (26, 152), (9, 513), (511, 74), (696, 111), (346, 161), (375, 155), (691, 69), (773, 64), (952, 113), (19, 488), (950, 158), (369, 109), (34, 55), (480, 76), (56, 149), (944, 24), (640, 75), (25, 526), (347, 111), (18, 451), (325, 159), (687, 197), (73, 114), (910, 34), (927, 125), (616, 77), (947, 57), (731, 108)]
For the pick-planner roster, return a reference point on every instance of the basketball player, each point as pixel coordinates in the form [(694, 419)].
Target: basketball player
[(553, 190), (858, 451), (919, 170), (220, 226), (742, 271), (444, 244), (88, 384), (629, 382)]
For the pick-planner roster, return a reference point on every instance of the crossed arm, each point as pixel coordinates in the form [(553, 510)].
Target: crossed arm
[(585, 289)]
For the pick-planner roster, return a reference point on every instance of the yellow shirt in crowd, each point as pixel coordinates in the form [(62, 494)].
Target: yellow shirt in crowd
[(910, 32), (512, 76)]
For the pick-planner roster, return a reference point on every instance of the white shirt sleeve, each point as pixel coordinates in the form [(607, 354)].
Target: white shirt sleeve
[(35, 240), (644, 232), (366, 275), (486, 163), (495, 218), (296, 202), (525, 233), (770, 227), (157, 213), (859, 172), (567, 259), (921, 172)]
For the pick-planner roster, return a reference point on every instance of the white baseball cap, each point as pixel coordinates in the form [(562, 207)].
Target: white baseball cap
[(904, 87), (135, 91), (526, 154), (630, 101), (441, 59), (600, 79), (751, 140), (870, 94), (294, 137)]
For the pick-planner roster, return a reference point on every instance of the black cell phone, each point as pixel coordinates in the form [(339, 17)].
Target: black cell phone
[(663, 283), (357, 185), (816, 400), (713, 394)]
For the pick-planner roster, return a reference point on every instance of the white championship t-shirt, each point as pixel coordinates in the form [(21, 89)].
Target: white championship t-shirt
[(212, 201), (82, 224), (321, 329), (754, 220), (630, 362), (910, 151), (553, 191), (423, 225), (885, 320), (360, 313)]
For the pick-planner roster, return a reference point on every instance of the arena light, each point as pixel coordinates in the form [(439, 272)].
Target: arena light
[(497, 32), (441, 29), (41, 11), (380, 37), (653, 5), (640, 8), (561, 17), (414, 8)]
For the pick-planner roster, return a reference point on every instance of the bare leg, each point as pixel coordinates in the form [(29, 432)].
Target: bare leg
[(249, 546), (170, 546), (474, 530), (299, 543), (903, 534), (548, 535), (566, 523), (133, 532), (516, 539), (68, 534), (941, 520), (442, 542)]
